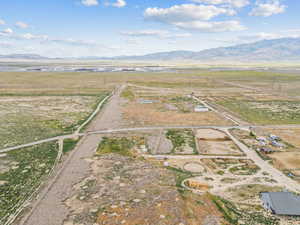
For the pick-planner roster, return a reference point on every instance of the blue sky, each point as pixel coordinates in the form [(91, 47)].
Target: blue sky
[(73, 28)]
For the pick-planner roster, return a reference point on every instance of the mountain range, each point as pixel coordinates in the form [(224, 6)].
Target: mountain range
[(284, 49)]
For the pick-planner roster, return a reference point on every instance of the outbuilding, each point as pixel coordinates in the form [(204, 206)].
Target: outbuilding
[(266, 150), (281, 203), (201, 108)]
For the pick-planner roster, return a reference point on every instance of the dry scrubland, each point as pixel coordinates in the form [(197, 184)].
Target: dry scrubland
[(124, 188), (167, 108)]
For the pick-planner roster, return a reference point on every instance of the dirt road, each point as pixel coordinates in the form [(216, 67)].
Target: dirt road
[(49, 209)]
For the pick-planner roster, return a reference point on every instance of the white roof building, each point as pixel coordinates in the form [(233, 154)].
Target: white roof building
[(201, 108)]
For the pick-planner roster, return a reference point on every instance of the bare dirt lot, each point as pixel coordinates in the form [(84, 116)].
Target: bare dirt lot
[(166, 110), (122, 190), (211, 134), (218, 148), (140, 115), (214, 142), (286, 160)]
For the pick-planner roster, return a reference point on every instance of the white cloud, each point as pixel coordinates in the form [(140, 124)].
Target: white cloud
[(90, 2), (119, 3), (6, 45), (268, 8), (254, 37), (71, 41), (259, 36), (29, 36), (186, 12), (133, 41), (205, 26), (22, 25), (2, 22), (155, 33), (195, 17), (7, 31), (142, 33), (234, 3), (268, 36)]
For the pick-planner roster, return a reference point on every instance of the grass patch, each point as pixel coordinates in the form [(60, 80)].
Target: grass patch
[(181, 139), (265, 112), (244, 170), (121, 146), (38, 118), (128, 94), (184, 104), (235, 216), (69, 144), (27, 169), (180, 175)]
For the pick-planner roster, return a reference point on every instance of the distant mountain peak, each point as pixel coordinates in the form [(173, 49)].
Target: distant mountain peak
[(23, 56), (284, 49), (276, 50)]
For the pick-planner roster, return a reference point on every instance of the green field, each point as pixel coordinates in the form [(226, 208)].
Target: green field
[(21, 172), (265, 112), (29, 118)]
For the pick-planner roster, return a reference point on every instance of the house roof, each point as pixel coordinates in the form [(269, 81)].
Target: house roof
[(282, 203)]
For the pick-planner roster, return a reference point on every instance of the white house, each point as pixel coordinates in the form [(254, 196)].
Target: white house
[(201, 108)]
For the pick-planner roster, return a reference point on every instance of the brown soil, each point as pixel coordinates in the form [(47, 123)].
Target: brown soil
[(142, 114), (286, 160), (197, 185), (211, 134), (218, 148)]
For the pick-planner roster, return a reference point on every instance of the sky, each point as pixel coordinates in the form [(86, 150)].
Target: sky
[(81, 28)]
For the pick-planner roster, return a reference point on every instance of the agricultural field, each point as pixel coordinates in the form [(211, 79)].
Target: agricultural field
[(26, 119), (21, 173)]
